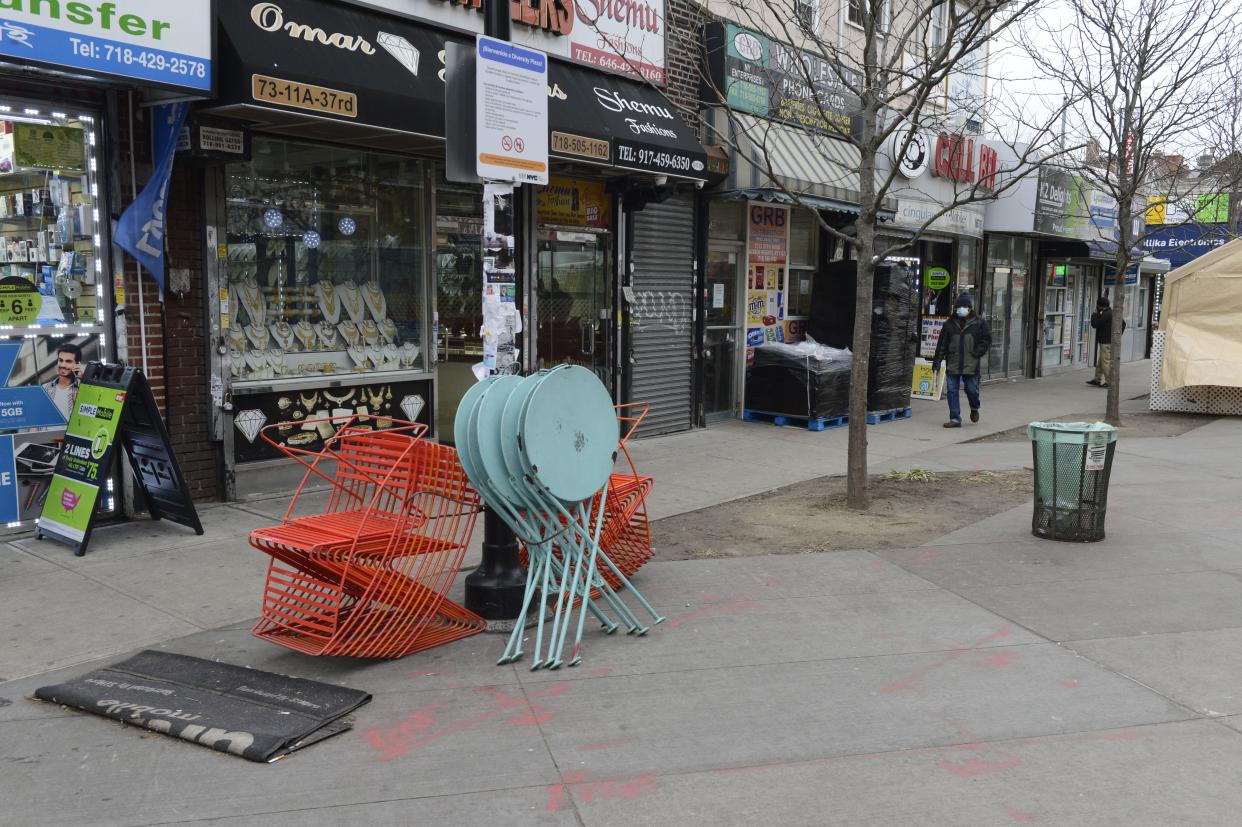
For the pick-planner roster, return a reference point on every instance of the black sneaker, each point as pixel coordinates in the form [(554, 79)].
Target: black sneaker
[(952, 423), (1093, 381), (974, 415)]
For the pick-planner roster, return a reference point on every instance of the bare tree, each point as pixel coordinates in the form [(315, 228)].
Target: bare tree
[(1144, 79), (875, 75)]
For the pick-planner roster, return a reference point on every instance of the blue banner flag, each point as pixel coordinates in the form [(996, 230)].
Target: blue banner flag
[(140, 231)]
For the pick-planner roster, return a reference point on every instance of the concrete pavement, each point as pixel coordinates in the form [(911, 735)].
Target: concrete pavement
[(983, 678)]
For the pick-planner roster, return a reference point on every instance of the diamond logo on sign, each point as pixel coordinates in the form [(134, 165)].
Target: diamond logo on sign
[(401, 49), (249, 423), (412, 405)]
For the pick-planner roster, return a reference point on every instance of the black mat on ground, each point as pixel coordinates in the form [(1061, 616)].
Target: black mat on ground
[(257, 715)]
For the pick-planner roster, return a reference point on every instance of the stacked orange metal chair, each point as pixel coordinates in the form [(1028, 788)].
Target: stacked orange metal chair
[(626, 533), (368, 575)]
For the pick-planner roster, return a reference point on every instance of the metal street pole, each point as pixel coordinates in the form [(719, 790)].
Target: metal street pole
[(495, 590)]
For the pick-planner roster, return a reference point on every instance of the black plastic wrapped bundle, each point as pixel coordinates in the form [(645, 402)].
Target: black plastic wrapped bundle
[(893, 340), (796, 382)]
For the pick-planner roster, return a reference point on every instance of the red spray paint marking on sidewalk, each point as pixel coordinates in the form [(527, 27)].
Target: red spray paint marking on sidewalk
[(910, 682), (608, 789)]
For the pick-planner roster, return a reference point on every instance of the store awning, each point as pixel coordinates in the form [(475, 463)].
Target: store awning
[(768, 155), (380, 86), (612, 121)]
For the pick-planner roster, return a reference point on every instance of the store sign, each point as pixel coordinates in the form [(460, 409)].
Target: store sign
[(928, 215), (571, 202), (911, 151), (1182, 244), (929, 335), (150, 41), (1208, 208), (389, 72), (202, 142), (70, 504), (511, 112), (767, 258), (936, 278), (625, 37), (965, 160), (753, 73), (20, 301), (927, 383), (43, 146)]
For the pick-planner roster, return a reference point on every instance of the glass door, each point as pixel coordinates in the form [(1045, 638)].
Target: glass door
[(572, 302), (459, 297), (722, 337)]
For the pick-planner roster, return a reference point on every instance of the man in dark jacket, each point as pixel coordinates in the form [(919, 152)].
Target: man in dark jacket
[(964, 340), (1102, 323)]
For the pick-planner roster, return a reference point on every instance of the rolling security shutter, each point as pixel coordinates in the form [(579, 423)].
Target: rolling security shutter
[(661, 316)]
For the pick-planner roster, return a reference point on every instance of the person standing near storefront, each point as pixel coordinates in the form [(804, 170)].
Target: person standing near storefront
[(964, 340), (1102, 323)]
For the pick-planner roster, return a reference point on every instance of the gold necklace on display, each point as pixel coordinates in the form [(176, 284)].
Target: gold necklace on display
[(309, 403), (328, 303), (339, 400)]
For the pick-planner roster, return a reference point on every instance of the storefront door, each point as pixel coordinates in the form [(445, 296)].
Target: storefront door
[(572, 304), (459, 298), (722, 340)]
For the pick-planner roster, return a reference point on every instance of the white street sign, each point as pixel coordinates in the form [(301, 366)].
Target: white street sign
[(511, 100)]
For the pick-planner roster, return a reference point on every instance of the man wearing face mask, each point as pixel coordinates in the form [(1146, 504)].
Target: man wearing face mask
[(964, 340)]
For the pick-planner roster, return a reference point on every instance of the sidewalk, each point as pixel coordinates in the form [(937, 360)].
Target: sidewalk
[(986, 677), (145, 582)]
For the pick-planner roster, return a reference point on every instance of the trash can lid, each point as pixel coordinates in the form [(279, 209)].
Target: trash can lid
[(1079, 432)]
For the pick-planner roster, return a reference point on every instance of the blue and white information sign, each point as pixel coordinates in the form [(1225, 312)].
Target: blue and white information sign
[(10, 508), (153, 41), (511, 111), (24, 406)]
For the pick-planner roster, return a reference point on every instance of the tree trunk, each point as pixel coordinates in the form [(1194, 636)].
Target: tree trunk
[(857, 496)]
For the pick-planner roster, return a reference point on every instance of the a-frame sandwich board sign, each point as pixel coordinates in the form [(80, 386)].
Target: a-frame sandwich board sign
[(114, 406)]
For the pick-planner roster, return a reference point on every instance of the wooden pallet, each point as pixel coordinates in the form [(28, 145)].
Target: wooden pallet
[(811, 424)]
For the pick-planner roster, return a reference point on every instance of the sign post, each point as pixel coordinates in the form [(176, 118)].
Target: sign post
[(511, 105), (114, 405)]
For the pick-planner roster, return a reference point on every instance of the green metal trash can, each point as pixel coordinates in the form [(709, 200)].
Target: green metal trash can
[(1072, 464)]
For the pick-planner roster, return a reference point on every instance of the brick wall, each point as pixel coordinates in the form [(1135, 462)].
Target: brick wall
[(186, 342), (683, 50), (176, 343)]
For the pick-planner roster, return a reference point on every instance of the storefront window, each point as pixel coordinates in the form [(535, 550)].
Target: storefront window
[(968, 266), (54, 300), (803, 252), (326, 263), (727, 220)]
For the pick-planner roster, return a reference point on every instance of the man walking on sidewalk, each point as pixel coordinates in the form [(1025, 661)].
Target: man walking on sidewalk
[(1102, 323), (964, 340)]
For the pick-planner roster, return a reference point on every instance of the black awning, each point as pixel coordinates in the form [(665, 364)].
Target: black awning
[(333, 62), (313, 60), (621, 123)]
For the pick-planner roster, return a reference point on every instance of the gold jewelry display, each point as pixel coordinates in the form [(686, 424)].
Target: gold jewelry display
[(327, 335), (375, 300), (237, 338), (282, 332), (375, 355), (329, 301), (251, 297), (339, 400), (370, 332), (258, 336), (354, 303), (309, 403), (409, 354), (388, 330), (284, 403), (350, 333), (305, 332), (358, 355), (375, 400)]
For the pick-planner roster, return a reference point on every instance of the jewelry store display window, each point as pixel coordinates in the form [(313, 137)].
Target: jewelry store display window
[(326, 260), (55, 304), (326, 305)]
